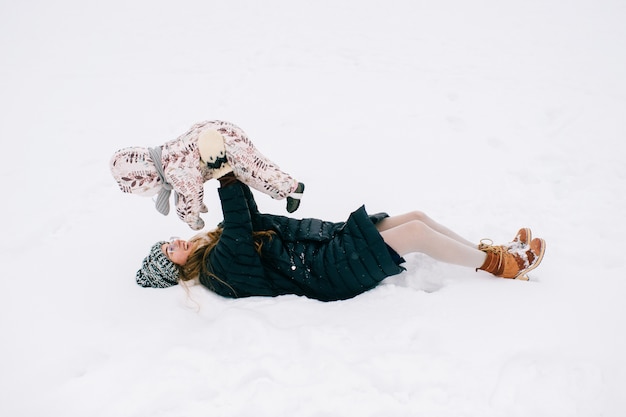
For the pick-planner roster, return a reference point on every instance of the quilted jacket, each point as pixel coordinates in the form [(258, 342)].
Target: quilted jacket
[(308, 257)]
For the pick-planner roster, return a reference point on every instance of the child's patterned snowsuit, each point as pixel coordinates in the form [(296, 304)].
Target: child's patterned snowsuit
[(135, 172)]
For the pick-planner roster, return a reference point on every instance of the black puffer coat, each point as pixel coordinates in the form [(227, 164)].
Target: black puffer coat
[(315, 258)]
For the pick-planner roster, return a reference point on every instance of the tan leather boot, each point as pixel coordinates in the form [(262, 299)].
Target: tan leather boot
[(513, 260), (523, 237)]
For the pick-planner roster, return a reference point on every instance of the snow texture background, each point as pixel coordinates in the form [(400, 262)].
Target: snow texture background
[(488, 115)]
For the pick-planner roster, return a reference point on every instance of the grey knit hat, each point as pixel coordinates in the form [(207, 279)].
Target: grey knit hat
[(157, 270)]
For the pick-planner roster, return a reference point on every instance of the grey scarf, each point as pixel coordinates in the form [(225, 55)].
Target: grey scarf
[(162, 202)]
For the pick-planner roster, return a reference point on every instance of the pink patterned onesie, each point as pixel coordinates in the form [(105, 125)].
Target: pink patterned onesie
[(184, 173)]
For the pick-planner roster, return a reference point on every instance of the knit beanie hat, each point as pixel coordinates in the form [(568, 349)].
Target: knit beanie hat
[(157, 270)]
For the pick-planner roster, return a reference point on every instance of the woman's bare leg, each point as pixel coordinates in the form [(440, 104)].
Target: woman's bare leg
[(417, 236), (395, 221)]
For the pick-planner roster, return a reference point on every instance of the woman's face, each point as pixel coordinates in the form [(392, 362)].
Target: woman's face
[(177, 251)]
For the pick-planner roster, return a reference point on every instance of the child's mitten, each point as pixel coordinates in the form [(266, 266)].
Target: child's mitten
[(213, 153)]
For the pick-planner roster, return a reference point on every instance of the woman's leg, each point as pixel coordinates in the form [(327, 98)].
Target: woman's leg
[(395, 221), (417, 236)]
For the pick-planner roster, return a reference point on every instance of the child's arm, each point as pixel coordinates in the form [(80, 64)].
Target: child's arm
[(188, 184)]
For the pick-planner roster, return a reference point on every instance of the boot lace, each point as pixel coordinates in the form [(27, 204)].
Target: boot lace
[(517, 249)]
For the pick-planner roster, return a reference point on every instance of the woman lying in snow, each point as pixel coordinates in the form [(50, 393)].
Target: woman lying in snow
[(207, 150), (256, 254)]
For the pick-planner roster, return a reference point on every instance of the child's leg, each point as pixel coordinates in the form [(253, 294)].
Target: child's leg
[(252, 167), (417, 236), (394, 221)]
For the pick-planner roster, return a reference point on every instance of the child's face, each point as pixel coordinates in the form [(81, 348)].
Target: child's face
[(177, 251)]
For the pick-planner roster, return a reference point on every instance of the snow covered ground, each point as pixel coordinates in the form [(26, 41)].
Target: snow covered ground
[(487, 115)]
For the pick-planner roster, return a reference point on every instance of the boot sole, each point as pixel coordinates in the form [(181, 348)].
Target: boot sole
[(522, 276)]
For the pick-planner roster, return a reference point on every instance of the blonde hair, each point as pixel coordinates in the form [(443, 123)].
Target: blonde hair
[(205, 243)]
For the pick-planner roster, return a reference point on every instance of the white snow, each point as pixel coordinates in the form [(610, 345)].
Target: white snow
[(488, 115)]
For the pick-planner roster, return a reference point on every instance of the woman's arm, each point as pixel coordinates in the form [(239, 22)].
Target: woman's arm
[(235, 259), (235, 207), (230, 179)]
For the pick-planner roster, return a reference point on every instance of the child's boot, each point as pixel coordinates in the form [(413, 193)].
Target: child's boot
[(293, 199)]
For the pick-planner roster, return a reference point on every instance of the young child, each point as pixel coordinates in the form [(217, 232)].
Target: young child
[(208, 150)]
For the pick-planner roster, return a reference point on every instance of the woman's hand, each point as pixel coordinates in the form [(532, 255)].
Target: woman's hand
[(227, 180)]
